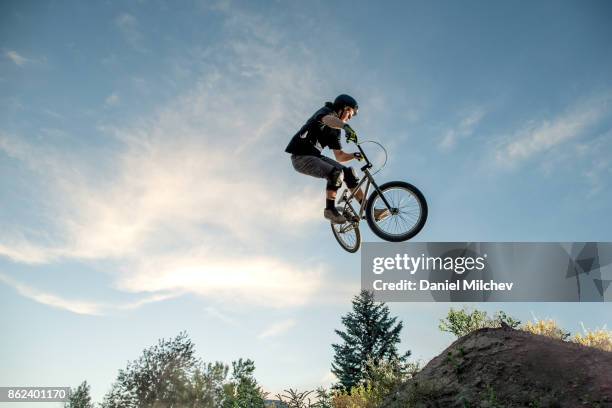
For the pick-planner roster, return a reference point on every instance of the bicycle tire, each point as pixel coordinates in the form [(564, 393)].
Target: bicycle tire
[(411, 217), (345, 242), (347, 234)]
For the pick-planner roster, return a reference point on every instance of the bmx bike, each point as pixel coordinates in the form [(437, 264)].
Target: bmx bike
[(405, 216)]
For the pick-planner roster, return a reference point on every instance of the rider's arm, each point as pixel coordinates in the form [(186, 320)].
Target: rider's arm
[(342, 156), (332, 121)]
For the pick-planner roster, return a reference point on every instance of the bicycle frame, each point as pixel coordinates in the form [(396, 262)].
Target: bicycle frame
[(368, 179)]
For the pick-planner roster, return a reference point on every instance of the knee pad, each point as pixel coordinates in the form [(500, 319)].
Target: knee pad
[(350, 177), (334, 180)]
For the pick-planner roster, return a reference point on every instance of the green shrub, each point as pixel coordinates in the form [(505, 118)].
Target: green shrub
[(461, 322)]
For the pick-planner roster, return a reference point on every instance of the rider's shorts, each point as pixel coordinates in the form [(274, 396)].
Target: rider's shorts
[(324, 167)]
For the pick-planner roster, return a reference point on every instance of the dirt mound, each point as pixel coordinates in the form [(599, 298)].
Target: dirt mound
[(511, 368)]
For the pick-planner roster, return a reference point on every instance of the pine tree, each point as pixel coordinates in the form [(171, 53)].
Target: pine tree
[(370, 334), (243, 391), (79, 397)]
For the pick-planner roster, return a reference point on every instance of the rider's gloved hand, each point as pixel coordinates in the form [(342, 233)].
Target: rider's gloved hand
[(358, 156), (351, 136)]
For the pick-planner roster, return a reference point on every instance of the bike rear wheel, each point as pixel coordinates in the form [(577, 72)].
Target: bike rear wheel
[(408, 211), (347, 234)]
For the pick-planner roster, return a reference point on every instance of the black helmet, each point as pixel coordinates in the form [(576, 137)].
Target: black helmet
[(343, 101)]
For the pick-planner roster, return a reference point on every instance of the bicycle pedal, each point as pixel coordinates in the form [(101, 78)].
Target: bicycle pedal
[(348, 215)]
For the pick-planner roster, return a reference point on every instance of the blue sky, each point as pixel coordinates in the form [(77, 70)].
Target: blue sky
[(145, 189)]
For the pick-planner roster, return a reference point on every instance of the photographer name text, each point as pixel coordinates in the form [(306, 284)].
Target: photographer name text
[(423, 284)]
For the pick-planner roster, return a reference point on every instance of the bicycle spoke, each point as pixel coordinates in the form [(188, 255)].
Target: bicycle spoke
[(407, 215), (347, 235), (406, 223)]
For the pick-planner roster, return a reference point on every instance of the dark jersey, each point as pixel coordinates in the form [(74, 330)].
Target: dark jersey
[(314, 136)]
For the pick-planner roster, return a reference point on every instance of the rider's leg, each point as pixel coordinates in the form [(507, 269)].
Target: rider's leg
[(359, 195), (323, 167), (334, 181), (312, 166), (330, 198), (351, 180)]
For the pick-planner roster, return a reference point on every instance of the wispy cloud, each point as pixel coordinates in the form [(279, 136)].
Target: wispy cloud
[(77, 306), (540, 136), (465, 128), (167, 193), (224, 276), (195, 198), (52, 114), (217, 314), (599, 170), (277, 329), (130, 30), (17, 59), (112, 100), (19, 249)]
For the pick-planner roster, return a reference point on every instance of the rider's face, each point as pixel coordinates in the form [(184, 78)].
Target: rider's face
[(347, 113)]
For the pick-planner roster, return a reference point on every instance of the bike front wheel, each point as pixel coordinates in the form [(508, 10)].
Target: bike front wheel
[(407, 215)]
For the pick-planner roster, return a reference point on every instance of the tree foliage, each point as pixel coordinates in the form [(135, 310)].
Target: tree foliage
[(159, 378), (383, 379), (324, 398), (462, 322), (169, 375), (243, 390), (80, 397), (370, 335), (295, 399)]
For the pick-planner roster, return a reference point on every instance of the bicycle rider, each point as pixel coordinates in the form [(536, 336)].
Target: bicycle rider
[(322, 130)]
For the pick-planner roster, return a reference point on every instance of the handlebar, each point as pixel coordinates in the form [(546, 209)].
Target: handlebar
[(369, 164)]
